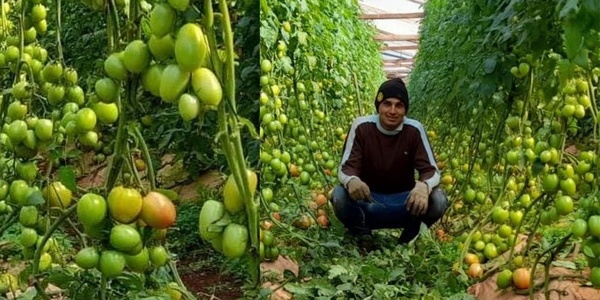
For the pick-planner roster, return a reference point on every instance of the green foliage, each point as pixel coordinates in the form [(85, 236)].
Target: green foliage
[(84, 285), (185, 237), (247, 35), (487, 38), (83, 37), (323, 48), (419, 271)]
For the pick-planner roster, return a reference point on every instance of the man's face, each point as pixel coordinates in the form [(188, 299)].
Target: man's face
[(391, 113)]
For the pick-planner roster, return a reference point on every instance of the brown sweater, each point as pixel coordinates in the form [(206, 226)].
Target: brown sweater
[(386, 160)]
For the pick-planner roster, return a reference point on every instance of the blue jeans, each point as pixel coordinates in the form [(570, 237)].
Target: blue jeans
[(387, 211)]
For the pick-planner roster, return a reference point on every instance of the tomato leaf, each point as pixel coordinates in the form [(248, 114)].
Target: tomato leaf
[(220, 225), (248, 124), (66, 175), (566, 70), (331, 244), (336, 271), (285, 35), (268, 34), (28, 295), (312, 62), (489, 65), (587, 250), (344, 287), (570, 6), (565, 264), (303, 6), (264, 292), (61, 280), (171, 194), (537, 167), (592, 7), (297, 290), (573, 43), (287, 62), (302, 37), (35, 198), (396, 274), (215, 228)]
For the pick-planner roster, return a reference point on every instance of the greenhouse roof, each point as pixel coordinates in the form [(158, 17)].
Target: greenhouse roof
[(398, 24)]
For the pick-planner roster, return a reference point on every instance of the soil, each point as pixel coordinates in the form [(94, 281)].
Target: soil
[(206, 281)]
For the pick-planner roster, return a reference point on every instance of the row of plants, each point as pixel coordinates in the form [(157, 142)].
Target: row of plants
[(512, 113), (160, 59), (320, 69)]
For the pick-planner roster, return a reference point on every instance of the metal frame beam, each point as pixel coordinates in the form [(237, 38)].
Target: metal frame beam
[(400, 48), (392, 16), (394, 37)]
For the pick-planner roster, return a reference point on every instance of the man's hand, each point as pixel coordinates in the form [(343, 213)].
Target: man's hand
[(418, 199), (358, 190)]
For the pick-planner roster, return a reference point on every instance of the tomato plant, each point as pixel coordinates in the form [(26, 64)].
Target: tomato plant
[(53, 115), (517, 152)]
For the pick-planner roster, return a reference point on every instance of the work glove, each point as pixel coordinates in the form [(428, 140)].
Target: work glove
[(418, 199), (358, 190)]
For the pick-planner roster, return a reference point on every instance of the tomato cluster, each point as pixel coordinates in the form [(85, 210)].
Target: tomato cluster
[(268, 245), (28, 128), (118, 224), (220, 222), (172, 64)]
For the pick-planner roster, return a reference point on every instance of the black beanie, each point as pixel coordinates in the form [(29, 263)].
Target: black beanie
[(392, 88)]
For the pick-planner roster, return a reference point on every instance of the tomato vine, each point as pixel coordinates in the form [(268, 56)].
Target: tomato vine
[(521, 69)]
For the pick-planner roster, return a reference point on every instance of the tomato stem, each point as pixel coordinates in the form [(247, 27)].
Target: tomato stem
[(132, 28), (594, 109), (592, 96), (552, 250), (38, 251), (133, 169), (265, 7), (209, 17), (147, 158), (58, 29), (21, 39), (538, 220), (12, 218), (212, 45), (233, 146), (6, 100), (81, 235), (358, 97), (4, 19), (518, 229), (103, 283), (177, 278), (116, 32), (115, 165), (311, 126)]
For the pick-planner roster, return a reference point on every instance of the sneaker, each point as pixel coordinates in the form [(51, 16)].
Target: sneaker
[(407, 236), (367, 243), (364, 239)]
